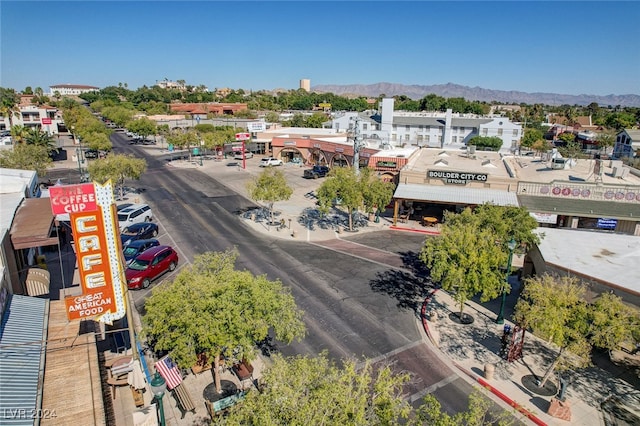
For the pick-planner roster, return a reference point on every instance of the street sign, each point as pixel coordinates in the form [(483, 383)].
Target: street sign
[(46, 121), (243, 136)]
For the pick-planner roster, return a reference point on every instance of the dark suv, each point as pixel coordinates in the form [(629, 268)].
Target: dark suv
[(316, 172)]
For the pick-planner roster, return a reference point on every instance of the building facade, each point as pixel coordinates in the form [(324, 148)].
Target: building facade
[(389, 128), (71, 89), (44, 117)]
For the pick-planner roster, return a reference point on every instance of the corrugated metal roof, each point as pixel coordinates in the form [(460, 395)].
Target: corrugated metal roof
[(455, 195), (22, 338)]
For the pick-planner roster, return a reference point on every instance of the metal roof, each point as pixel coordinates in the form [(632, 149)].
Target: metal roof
[(455, 195), (22, 337)]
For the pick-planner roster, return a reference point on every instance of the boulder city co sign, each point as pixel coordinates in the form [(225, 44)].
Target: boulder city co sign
[(457, 178)]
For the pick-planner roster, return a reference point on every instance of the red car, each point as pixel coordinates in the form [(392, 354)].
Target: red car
[(150, 265)]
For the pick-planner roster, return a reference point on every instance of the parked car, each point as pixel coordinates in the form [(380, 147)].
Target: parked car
[(137, 247), (91, 154), (135, 213), (270, 161), (138, 231), (150, 265), (316, 172), (238, 155)]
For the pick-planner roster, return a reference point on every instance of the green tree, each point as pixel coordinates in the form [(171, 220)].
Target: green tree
[(98, 141), (342, 184), (143, 127), (35, 136), (465, 259), (269, 186), (376, 193), (505, 221), (27, 157), (213, 309), (613, 322), (478, 413), (555, 310), (19, 134), (272, 117), (307, 390), (117, 168), (606, 140), (492, 142), (9, 104), (316, 120), (530, 137)]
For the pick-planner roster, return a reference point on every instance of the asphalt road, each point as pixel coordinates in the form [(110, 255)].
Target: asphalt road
[(353, 307)]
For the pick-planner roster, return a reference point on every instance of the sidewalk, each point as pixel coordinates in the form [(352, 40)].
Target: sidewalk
[(469, 349)]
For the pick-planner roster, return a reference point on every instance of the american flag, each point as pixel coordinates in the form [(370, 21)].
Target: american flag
[(170, 371)]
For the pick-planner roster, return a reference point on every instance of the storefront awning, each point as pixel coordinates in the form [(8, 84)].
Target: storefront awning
[(32, 224), (455, 195)]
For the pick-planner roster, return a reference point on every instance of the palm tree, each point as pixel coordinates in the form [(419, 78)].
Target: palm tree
[(35, 136), (19, 133), (9, 104)]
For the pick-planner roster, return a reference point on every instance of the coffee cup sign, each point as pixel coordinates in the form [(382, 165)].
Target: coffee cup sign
[(73, 198)]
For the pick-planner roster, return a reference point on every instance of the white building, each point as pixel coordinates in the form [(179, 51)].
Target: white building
[(71, 89), (31, 115), (428, 129)]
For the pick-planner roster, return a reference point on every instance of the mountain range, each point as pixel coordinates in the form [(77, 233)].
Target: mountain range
[(451, 90)]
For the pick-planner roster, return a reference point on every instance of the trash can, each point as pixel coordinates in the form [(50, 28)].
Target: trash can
[(489, 369)]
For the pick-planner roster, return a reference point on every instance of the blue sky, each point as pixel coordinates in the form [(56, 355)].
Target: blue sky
[(558, 47)]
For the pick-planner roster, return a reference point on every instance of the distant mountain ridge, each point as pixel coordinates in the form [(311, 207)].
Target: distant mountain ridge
[(451, 90)]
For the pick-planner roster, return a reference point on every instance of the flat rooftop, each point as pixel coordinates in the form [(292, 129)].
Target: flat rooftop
[(533, 169), (524, 168), (458, 160), (609, 258)]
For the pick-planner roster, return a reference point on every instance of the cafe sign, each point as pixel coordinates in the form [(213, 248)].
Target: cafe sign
[(96, 235), (457, 178)]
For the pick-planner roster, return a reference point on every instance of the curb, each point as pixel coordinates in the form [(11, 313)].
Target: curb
[(420, 231), (475, 377)]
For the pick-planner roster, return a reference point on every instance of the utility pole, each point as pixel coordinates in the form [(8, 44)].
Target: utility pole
[(357, 144)]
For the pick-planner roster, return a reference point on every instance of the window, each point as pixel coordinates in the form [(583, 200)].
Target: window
[(499, 132), (485, 132), (515, 133), (407, 137), (364, 126), (420, 138), (395, 127), (393, 137), (426, 138), (420, 127), (454, 139)]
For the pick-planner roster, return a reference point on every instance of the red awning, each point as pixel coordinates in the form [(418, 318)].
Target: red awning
[(32, 224)]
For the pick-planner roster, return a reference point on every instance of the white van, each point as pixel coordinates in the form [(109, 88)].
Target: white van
[(134, 213)]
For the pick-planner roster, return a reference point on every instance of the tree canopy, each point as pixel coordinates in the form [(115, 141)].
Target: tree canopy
[(211, 308), (468, 255), (555, 309), (27, 157), (117, 168), (342, 185), (306, 390), (269, 186)]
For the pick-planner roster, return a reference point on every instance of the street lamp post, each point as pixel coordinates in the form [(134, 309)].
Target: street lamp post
[(158, 387), (511, 245), (201, 151)]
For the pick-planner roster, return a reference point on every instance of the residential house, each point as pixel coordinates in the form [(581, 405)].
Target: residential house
[(627, 143)]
